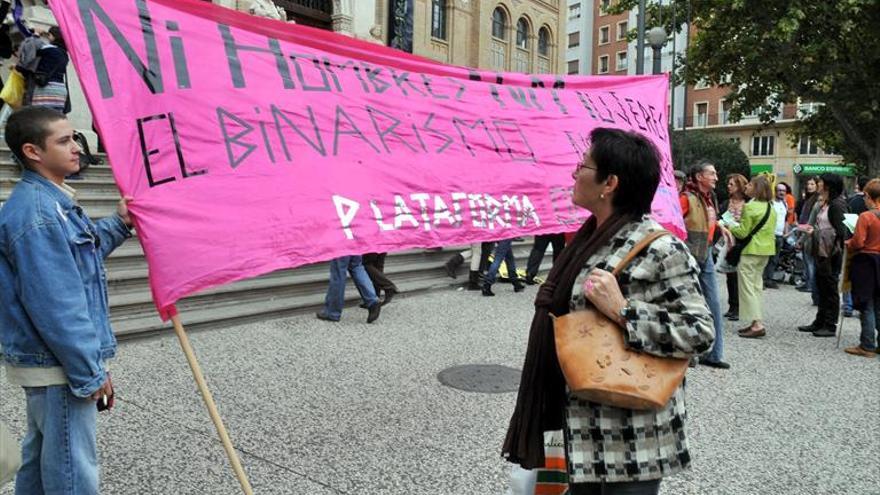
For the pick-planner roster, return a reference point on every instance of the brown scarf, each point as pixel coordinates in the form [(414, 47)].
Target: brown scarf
[(541, 401)]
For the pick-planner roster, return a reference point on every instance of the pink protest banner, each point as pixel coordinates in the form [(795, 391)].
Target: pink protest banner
[(252, 145)]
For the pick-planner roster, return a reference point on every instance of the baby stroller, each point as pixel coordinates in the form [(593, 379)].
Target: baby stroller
[(790, 265)]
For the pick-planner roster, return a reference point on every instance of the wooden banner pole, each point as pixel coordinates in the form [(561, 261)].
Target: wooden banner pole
[(212, 407)]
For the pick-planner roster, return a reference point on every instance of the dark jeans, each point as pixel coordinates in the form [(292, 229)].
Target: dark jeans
[(773, 262), (650, 487), (733, 293), (375, 265), (827, 275), (540, 247)]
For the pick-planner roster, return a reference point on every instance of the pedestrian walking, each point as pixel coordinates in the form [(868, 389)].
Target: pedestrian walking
[(335, 298), (756, 230), (374, 263), (732, 209), (54, 320), (865, 271), (503, 253), (699, 206), (610, 449), (536, 256), (827, 236)]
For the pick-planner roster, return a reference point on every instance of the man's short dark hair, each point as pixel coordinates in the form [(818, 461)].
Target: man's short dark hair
[(863, 181), (635, 162), (29, 125), (698, 168)]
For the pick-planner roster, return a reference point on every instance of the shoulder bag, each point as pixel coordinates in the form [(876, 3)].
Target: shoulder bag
[(598, 366)]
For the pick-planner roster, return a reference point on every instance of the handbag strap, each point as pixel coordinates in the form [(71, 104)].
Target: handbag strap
[(638, 248), (758, 227)]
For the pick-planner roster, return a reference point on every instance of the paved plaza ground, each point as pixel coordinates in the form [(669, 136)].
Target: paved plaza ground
[(350, 408)]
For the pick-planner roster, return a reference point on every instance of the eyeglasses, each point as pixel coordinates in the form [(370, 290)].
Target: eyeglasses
[(582, 166)]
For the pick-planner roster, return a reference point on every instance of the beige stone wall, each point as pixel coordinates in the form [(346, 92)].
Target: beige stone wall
[(469, 40)]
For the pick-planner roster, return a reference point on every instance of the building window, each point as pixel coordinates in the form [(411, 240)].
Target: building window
[(604, 36), (807, 146), (622, 29), (702, 111), (603, 6), (603, 64), (621, 62), (499, 24), (574, 39), (807, 109), (438, 19), (574, 12), (701, 84), (574, 67), (763, 145), (724, 117), (522, 33), (544, 66)]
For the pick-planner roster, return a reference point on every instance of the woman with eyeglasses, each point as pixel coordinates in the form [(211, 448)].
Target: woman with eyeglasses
[(657, 302)]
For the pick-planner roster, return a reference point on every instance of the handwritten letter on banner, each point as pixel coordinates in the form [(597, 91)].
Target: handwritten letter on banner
[(252, 145)]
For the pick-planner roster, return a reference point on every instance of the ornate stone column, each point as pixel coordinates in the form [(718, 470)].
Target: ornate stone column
[(342, 17)]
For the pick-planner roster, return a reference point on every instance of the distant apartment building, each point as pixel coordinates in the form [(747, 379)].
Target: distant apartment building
[(769, 148)]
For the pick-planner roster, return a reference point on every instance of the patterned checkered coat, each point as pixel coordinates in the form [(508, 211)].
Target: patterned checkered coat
[(667, 316)]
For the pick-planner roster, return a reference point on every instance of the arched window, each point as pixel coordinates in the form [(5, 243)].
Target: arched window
[(545, 51), (499, 23), (522, 33), (544, 42)]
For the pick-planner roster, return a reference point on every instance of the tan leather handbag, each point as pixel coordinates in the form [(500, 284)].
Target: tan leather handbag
[(599, 368)]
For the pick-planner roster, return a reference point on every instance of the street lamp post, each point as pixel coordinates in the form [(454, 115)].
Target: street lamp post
[(657, 38)]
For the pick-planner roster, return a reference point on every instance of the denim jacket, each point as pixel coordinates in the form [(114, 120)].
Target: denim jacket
[(53, 287)]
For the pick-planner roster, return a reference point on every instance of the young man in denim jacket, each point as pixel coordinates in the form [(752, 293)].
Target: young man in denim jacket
[(54, 325)]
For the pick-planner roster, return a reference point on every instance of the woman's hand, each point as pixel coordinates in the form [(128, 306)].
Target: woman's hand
[(602, 289)]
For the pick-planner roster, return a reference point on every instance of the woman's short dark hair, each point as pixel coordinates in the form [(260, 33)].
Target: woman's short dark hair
[(55, 31), (634, 161), (833, 184)]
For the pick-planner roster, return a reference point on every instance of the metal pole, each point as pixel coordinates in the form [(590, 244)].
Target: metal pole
[(672, 72), (657, 56), (640, 40)]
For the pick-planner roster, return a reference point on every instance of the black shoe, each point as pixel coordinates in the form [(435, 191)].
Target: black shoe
[(825, 332), (322, 316), (374, 312), (803, 288), (473, 281), (487, 290), (848, 314), (770, 284), (389, 295), (363, 305), (452, 265), (733, 317), (518, 286), (808, 328), (714, 364), (530, 281)]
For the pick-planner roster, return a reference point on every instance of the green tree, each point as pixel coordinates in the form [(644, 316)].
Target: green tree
[(690, 147), (770, 53)]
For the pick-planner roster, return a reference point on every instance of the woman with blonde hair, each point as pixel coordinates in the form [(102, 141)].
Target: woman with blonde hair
[(756, 230)]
